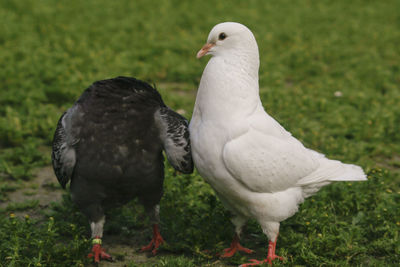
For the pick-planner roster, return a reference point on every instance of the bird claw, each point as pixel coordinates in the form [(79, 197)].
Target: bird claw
[(273, 257), (235, 246), (98, 253), (155, 242), (255, 262), (268, 260), (228, 252), (246, 250), (153, 245)]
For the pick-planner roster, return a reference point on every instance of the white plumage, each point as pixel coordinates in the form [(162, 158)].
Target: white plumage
[(257, 168)]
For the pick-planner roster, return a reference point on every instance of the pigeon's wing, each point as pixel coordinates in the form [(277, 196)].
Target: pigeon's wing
[(64, 142), (174, 134), (264, 163)]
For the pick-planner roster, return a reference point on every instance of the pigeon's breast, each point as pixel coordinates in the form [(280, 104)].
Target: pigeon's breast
[(208, 139)]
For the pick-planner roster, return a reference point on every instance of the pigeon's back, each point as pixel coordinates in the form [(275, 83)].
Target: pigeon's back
[(110, 142), (118, 115), (115, 143), (120, 94)]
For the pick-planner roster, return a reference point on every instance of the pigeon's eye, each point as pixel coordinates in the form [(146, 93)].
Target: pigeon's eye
[(222, 36)]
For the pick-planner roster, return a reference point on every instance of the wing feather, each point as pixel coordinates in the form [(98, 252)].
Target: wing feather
[(268, 164), (63, 155), (174, 134)]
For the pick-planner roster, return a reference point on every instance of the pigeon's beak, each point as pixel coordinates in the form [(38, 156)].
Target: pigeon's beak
[(204, 50)]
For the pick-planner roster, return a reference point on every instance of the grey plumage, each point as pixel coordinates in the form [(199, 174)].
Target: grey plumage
[(175, 133), (109, 146)]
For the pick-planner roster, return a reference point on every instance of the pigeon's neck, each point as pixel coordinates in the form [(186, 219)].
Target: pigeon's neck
[(244, 60), (228, 89)]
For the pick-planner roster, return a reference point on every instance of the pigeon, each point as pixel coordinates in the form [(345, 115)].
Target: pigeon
[(109, 146), (257, 168)]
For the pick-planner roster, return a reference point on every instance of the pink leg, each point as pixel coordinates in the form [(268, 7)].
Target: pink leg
[(235, 246), (98, 253), (271, 256), (155, 242)]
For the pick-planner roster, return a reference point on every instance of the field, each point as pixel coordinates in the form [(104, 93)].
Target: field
[(330, 74)]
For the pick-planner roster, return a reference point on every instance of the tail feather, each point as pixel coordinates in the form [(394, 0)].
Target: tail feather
[(350, 172), (330, 171)]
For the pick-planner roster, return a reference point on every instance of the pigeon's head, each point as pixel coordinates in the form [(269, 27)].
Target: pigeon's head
[(230, 38)]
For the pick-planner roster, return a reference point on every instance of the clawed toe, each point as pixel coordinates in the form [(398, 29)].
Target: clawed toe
[(155, 242), (254, 262), (235, 246), (98, 253)]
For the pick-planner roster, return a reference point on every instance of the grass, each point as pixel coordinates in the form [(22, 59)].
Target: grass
[(329, 74)]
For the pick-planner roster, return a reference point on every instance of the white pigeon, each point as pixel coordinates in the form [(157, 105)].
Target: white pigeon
[(256, 167)]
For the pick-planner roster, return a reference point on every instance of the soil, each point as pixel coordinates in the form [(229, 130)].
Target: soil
[(44, 189)]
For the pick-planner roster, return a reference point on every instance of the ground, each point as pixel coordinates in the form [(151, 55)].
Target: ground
[(329, 73), (43, 190)]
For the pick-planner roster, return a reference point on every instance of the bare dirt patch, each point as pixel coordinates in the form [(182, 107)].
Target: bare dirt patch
[(43, 189)]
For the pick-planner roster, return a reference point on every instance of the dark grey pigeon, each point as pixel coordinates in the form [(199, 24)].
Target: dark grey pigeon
[(109, 146)]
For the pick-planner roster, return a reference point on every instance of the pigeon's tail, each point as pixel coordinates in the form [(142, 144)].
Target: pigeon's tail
[(330, 171), (348, 172)]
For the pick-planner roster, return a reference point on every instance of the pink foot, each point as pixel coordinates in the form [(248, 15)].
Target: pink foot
[(253, 263), (257, 262), (271, 256), (235, 246), (155, 242), (98, 253)]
